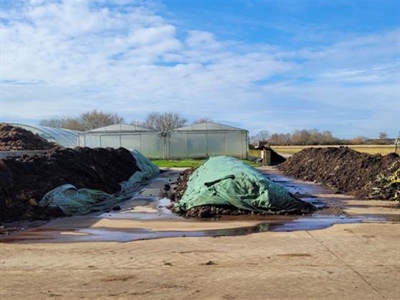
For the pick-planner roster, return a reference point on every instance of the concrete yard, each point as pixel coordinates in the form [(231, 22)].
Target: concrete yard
[(358, 260)]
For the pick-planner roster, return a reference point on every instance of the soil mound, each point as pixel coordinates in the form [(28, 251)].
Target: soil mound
[(348, 171), (181, 184), (16, 138), (25, 180), (276, 158)]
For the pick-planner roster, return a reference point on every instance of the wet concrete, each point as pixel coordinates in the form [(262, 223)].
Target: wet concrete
[(148, 208)]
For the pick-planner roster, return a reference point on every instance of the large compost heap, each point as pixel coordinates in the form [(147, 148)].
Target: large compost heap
[(225, 185), (348, 171), (16, 138), (25, 180)]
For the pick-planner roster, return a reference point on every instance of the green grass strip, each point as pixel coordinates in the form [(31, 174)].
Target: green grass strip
[(187, 163)]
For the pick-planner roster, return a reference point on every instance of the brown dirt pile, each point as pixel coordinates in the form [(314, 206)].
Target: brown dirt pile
[(25, 180), (276, 158), (348, 171), (16, 138), (181, 184)]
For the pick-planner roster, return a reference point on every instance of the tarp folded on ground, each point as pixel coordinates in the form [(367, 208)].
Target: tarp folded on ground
[(225, 180), (73, 201)]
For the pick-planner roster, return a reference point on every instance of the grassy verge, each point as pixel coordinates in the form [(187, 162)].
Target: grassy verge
[(184, 163), (187, 163)]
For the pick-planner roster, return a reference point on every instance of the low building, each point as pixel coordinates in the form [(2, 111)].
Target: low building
[(196, 141)]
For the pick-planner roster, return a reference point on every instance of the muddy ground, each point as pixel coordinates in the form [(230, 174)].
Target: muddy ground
[(347, 171)]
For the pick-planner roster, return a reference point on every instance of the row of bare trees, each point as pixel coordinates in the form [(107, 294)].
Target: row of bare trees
[(96, 119), (298, 137), (168, 121), (314, 137), (85, 121)]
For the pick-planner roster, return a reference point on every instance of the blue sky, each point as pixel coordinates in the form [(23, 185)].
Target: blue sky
[(259, 65)]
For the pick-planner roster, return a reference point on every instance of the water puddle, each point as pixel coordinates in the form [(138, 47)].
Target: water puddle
[(146, 216), (66, 235), (139, 208)]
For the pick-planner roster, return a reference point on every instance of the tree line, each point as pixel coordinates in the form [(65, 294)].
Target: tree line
[(167, 121), (309, 137), (95, 119)]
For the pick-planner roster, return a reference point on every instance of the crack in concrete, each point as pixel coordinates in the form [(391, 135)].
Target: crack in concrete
[(347, 265)]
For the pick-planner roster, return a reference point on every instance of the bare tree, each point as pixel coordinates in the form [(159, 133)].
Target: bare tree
[(203, 120), (73, 124), (263, 135), (383, 138), (96, 119), (53, 122), (135, 123), (86, 121), (383, 135), (279, 139), (359, 140), (326, 138), (164, 121), (63, 122)]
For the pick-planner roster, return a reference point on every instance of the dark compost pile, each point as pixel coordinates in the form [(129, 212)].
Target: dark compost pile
[(347, 171), (25, 180), (276, 158), (16, 138)]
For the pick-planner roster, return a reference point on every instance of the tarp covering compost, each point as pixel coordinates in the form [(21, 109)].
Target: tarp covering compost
[(228, 181), (73, 201)]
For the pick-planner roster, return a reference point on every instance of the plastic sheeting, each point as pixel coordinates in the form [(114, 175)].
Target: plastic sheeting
[(73, 201), (225, 180)]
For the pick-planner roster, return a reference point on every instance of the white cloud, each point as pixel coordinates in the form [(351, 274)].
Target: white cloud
[(66, 57)]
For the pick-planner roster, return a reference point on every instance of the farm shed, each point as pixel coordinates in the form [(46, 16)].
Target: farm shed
[(195, 141), (131, 137), (208, 139), (64, 137)]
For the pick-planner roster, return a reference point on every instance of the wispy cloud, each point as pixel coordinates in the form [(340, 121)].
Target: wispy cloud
[(66, 57)]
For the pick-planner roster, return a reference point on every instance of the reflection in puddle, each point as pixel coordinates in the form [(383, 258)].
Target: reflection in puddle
[(147, 206), (150, 208), (46, 235)]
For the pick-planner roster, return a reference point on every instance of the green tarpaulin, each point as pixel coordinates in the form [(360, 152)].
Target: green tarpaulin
[(73, 201), (225, 180)]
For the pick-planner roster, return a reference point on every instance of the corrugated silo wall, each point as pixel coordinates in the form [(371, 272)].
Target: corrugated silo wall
[(173, 145)]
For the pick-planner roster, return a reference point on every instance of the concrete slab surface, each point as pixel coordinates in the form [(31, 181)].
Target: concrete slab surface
[(359, 260)]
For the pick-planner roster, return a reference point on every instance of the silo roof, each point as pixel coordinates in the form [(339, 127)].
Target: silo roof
[(120, 128), (209, 126)]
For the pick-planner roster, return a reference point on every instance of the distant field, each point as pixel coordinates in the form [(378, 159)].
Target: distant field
[(371, 149)]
